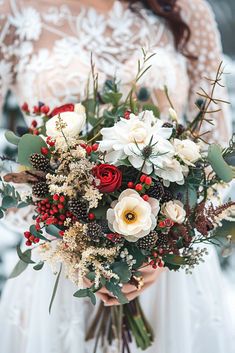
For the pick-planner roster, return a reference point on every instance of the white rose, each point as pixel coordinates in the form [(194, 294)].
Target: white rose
[(175, 211), (133, 217), (74, 122), (187, 150)]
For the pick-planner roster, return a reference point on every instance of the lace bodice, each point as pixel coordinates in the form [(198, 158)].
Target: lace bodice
[(46, 47)]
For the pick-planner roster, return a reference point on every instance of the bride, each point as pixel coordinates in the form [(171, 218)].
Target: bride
[(45, 56)]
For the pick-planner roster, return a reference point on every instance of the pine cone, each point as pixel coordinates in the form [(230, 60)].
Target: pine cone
[(162, 241), (104, 225), (156, 191), (148, 241), (167, 196), (79, 209), (40, 162), (40, 189), (94, 231)]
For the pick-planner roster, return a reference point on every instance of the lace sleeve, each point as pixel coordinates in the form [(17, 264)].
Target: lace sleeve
[(8, 44), (205, 45)]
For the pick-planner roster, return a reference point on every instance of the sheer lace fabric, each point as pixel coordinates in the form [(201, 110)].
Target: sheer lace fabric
[(46, 48)]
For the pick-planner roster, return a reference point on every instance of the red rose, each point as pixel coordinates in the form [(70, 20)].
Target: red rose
[(62, 109), (110, 177)]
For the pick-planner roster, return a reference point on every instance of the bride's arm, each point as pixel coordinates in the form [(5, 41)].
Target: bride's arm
[(205, 45)]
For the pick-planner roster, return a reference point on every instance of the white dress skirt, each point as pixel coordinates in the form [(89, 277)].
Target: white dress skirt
[(188, 313)]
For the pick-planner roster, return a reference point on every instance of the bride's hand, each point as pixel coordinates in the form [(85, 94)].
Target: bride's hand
[(149, 275)]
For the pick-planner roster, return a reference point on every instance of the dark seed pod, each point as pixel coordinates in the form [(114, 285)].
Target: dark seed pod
[(40, 189), (40, 162), (148, 242)]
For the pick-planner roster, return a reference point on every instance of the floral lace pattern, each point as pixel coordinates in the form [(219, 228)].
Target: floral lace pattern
[(46, 50)]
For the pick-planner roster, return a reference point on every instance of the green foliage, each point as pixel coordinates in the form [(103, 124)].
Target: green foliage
[(137, 255), (53, 230), (10, 198), (55, 288), (12, 138), (218, 164), (38, 266), (87, 292), (122, 270), (22, 264), (152, 108), (174, 260), (115, 289), (28, 145), (37, 234)]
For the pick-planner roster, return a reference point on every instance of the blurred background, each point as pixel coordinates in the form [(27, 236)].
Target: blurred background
[(224, 11)]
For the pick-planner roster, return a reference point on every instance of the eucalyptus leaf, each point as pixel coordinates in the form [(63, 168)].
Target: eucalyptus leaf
[(174, 259), (22, 204), (8, 202), (28, 145), (218, 164), (38, 266), (12, 138), (37, 234), (81, 293), (55, 288), (53, 230), (25, 256), (18, 269), (122, 270), (115, 289)]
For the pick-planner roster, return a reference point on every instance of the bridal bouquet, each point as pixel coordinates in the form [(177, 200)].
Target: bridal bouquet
[(116, 188)]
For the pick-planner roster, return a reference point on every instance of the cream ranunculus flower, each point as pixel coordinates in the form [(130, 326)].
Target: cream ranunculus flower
[(133, 217), (187, 150), (174, 210), (74, 122)]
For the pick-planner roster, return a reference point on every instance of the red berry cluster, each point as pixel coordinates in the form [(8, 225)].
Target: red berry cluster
[(31, 239), (156, 260), (89, 149), (166, 223), (50, 141), (33, 128), (114, 237), (142, 186), (53, 211), (37, 109)]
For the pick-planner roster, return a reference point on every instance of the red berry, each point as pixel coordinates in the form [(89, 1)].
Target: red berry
[(131, 185), (27, 234), (138, 187), (28, 243), (143, 178), (152, 263), (62, 199), (127, 115), (162, 224), (88, 149), (91, 216), (154, 267), (32, 238), (34, 123), (56, 197), (95, 147), (36, 240), (45, 109), (60, 206), (45, 150), (145, 197), (25, 107), (37, 226), (169, 222), (148, 180), (155, 254), (50, 220), (61, 233), (83, 145), (36, 109), (35, 132), (62, 217)]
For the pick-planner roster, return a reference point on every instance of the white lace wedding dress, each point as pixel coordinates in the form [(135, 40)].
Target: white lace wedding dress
[(45, 56)]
